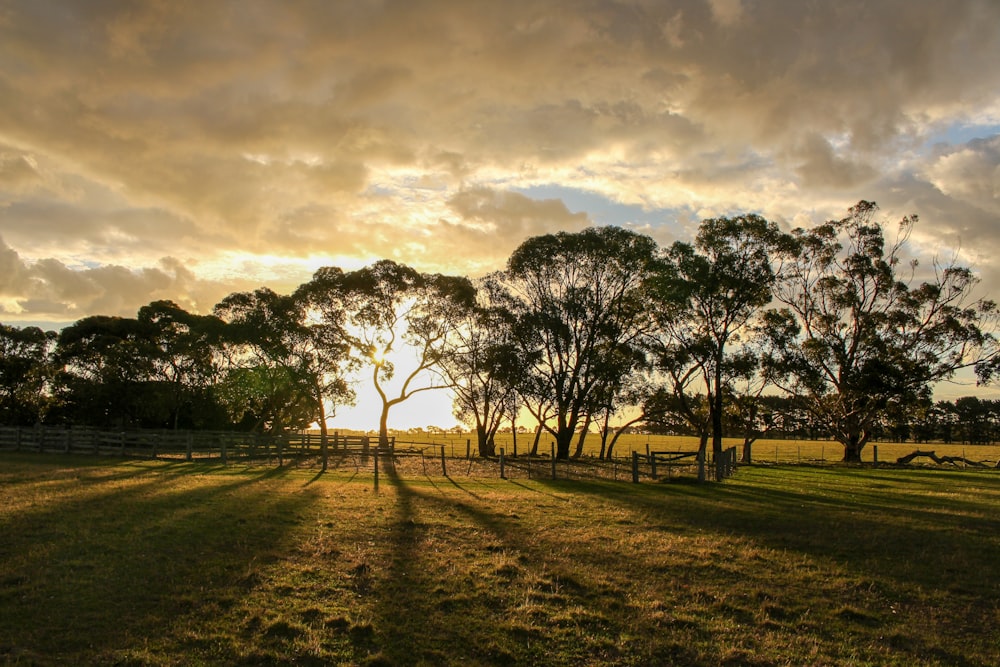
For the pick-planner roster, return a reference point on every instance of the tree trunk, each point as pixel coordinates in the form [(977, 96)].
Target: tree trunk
[(747, 447), (486, 447), (513, 433), (564, 439), (583, 437), (856, 442), (324, 437), (564, 435), (538, 437), (383, 428)]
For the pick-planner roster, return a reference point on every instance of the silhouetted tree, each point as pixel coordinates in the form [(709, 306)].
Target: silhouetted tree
[(481, 364), (868, 334), (388, 305), (578, 302), (704, 297), (25, 374)]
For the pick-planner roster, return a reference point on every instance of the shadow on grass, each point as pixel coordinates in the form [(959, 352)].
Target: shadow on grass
[(88, 576), (505, 594)]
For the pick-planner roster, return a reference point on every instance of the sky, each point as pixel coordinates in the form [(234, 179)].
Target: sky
[(168, 149)]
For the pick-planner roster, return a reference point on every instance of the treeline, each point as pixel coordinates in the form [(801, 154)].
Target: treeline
[(601, 330), (967, 420)]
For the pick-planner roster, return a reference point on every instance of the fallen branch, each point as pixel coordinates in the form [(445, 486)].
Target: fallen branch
[(954, 460)]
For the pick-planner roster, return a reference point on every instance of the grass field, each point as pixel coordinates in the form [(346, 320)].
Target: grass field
[(105, 561), (764, 450)]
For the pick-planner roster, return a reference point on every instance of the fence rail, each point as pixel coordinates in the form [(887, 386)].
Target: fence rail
[(176, 444), (356, 451)]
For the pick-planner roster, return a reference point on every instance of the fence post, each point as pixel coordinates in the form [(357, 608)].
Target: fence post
[(502, 472), (635, 467), (875, 454), (468, 449), (324, 447), (376, 471), (701, 466), (444, 470), (281, 452), (652, 463), (553, 460)]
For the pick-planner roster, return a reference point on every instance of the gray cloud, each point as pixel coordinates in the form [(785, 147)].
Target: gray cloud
[(313, 131)]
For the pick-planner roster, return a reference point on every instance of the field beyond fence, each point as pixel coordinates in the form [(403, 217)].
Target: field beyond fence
[(637, 457)]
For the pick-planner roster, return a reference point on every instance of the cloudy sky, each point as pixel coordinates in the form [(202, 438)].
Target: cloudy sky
[(184, 150)]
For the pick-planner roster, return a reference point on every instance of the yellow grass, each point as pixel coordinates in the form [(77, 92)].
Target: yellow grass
[(765, 450)]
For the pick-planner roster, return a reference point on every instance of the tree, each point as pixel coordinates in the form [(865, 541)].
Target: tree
[(704, 297), (578, 302), (480, 364), (869, 333), (25, 374), (390, 305), (106, 364), (278, 373), (182, 350)]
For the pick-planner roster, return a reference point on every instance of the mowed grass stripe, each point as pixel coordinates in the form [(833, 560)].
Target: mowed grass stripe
[(167, 563)]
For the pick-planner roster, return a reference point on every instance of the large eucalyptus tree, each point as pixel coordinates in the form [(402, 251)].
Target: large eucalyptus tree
[(579, 303), (870, 333), (389, 306), (705, 296)]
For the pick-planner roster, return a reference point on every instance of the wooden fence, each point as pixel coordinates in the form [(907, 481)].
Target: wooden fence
[(178, 444), (658, 461), (226, 446)]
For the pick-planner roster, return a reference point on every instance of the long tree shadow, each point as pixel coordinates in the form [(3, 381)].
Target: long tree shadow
[(890, 538), (490, 599), (86, 576)]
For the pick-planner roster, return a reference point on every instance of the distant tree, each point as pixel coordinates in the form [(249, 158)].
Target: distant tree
[(869, 334), (578, 302), (974, 419), (25, 374)]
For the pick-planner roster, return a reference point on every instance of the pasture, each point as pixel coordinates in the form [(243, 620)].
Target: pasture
[(166, 562), (765, 450)]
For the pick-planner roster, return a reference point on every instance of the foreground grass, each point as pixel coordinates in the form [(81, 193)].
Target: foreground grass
[(162, 563)]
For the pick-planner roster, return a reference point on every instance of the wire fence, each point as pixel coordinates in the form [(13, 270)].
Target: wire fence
[(457, 457)]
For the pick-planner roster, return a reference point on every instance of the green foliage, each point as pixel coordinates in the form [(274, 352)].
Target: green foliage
[(580, 309), (705, 297), (25, 374), (870, 336)]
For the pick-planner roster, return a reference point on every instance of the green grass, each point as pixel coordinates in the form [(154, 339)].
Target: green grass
[(104, 561), (764, 450)]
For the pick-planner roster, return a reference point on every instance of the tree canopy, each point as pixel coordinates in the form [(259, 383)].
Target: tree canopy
[(831, 330)]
